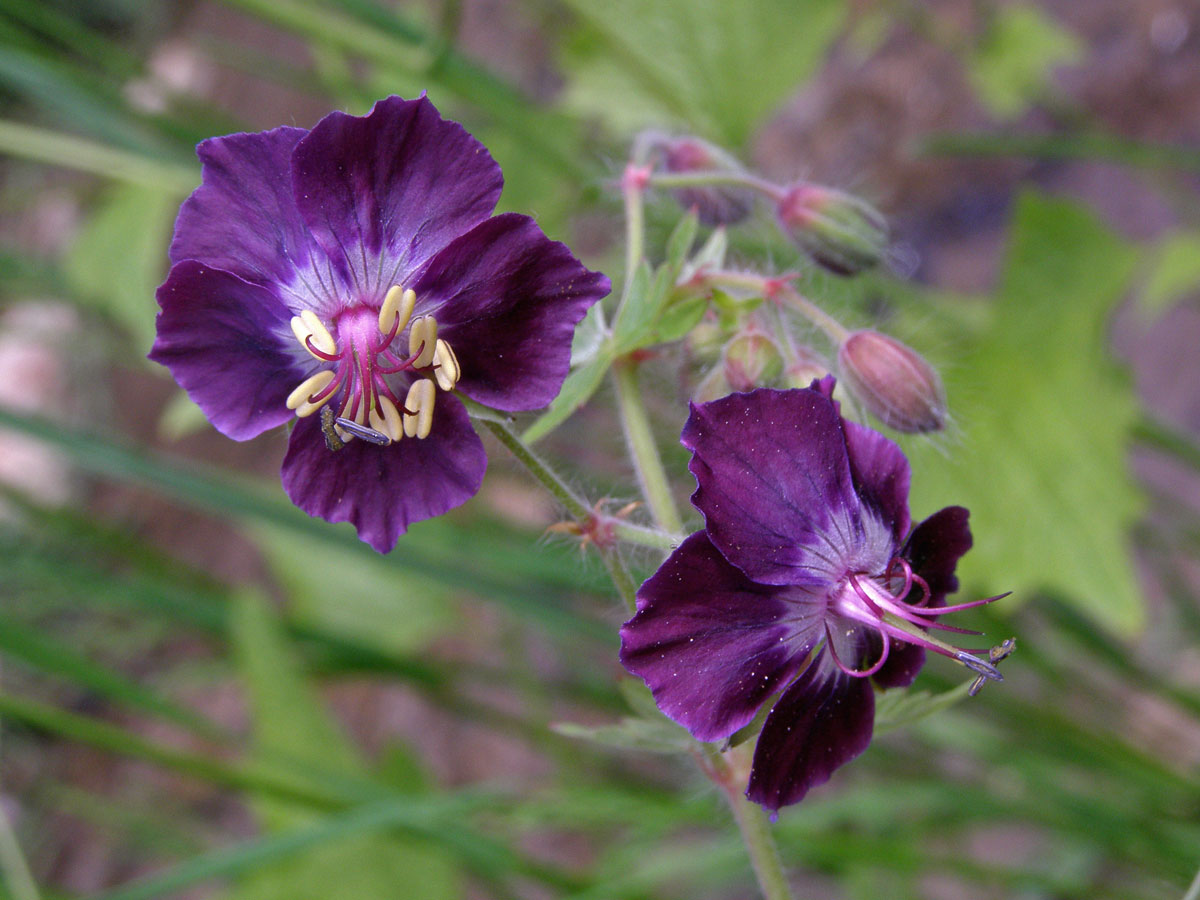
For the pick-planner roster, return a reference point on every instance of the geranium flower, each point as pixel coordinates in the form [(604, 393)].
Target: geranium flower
[(357, 268), (805, 579)]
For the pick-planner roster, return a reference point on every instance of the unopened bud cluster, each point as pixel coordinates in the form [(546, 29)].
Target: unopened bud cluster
[(742, 342)]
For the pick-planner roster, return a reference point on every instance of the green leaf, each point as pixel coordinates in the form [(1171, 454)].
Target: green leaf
[(366, 600), (290, 724), (1045, 420), (1012, 65), (901, 707), (1173, 271), (120, 257), (576, 391), (678, 319), (645, 735), (680, 242), (718, 67)]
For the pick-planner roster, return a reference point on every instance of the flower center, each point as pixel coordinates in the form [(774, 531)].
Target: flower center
[(880, 604), (358, 382)]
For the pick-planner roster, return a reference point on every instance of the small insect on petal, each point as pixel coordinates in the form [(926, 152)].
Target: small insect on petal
[(420, 401), (422, 341), (300, 398), (370, 435), (445, 363), (398, 303), (333, 441)]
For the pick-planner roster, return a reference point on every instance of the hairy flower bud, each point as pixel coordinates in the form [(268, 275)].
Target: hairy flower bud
[(752, 360), (838, 230), (894, 382), (714, 205)]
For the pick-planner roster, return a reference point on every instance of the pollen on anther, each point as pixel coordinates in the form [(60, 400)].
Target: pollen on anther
[(398, 303), (300, 398), (421, 396), (422, 341)]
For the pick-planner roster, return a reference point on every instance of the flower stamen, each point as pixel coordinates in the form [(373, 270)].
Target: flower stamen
[(445, 366), (397, 309), (418, 416), (422, 341), (306, 399)]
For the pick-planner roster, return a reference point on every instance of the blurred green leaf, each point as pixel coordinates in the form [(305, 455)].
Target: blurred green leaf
[(120, 257), (1011, 66), (363, 599), (1172, 271), (56, 148), (900, 707), (290, 723), (717, 67), (1045, 419), (646, 735)]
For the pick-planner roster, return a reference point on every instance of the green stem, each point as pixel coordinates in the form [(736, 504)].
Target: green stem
[(575, 505), (646, 461), (646, 537), (635, 231), (752, 824), (827, 323)]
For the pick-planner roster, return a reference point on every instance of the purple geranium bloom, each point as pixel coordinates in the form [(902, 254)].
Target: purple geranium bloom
[(805, 579), (357, 269)]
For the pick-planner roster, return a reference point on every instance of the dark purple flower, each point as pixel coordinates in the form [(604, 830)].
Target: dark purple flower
[(805, 580), (357, 269)]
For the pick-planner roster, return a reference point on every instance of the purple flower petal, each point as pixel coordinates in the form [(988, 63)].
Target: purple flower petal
[(824, 719), (712, 645), (243, 218), (226, 342), (773, 482), (507, 300), (881, 475), (383, 490), (934, 549), (384, 192)]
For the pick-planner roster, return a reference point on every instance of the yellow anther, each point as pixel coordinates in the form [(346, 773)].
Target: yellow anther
[(321, 338), (422, 338), (309, 387), (420, 401), (390, 422), (398, 303), (445, 363)]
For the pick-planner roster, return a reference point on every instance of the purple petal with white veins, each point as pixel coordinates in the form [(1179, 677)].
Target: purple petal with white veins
[(712, 645), (881, 475), (243, 218), (228, 344), (773, 482), (383, 490), (383, 193), (507, 300), (823, 720)]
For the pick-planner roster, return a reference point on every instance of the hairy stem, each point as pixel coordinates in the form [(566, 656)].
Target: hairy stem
[(643, 452), (752, 824)]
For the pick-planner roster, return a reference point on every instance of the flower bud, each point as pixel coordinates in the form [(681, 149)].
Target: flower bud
[(752, 360), (893, 382), (714, 205), (803, 373), (712, 386), (838, 230)]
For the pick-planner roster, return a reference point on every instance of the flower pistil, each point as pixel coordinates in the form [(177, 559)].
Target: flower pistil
[(362, 363)]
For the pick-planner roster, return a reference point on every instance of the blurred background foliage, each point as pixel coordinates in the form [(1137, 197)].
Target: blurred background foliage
[(203, 693)]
